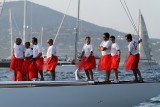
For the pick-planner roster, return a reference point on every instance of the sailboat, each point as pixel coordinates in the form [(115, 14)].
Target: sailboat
[(75, 93), (144, 48)]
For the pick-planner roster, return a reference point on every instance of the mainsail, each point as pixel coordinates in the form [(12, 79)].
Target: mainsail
[(1, 6), (144, 48)]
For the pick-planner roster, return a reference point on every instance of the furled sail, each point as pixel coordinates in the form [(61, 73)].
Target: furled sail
[(144, 47)]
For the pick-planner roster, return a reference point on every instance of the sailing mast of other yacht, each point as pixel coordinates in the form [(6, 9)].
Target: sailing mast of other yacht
[(77, 30), (24, 25), (42, 29), (11, 30)]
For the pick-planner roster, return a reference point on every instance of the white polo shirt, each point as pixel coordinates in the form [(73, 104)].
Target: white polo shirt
[(36, 50), (51, 51), (133, 47), (114, 49), (28, 52), (106, 44), (87, 49), (19, 51)]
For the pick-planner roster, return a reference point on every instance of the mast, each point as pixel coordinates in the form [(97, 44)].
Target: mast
[(42, 36), (24, 25), (11, 31), (77, 30)]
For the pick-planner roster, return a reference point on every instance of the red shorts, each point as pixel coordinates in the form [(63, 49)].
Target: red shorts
[(115, 63), (25, 65), (105, 63), (33, 71), (16, 64), (90, 64), (52, 65), (132, 62), (39, 63)]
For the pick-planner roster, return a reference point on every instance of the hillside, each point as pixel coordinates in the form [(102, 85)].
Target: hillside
[(50, 20)]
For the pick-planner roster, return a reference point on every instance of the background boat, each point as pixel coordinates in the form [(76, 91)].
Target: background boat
[(144, 48)]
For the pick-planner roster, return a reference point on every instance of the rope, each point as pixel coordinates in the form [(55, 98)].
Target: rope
[(61, 23), (31, 19), (134, 26), (129, 16)]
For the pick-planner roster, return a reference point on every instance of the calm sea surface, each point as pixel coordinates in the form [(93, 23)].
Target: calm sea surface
[(149, 73)]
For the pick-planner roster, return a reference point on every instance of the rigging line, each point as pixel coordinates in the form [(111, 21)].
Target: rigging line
[(128, 16), (131, 16), (31, 20), (128, 12), (61, 22), (16, 25)]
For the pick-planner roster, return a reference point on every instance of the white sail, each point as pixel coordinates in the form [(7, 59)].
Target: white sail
[(144, 48)]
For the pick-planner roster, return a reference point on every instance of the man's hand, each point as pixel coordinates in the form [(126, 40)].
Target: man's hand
[(140, 40), (31, 59), (49, 62), (86, 60), (100, 48), (118, 59), (78, 58)]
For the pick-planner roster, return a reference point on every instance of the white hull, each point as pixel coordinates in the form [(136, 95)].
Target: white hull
[(111, 95)]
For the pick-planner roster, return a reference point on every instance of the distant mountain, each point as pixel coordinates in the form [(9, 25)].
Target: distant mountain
[(50, 20)]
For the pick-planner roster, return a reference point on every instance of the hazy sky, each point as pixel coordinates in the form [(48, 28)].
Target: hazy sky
[(109, 13)]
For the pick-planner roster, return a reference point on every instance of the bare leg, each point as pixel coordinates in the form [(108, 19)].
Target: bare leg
[(41, 73), (139, 73), (53, 75), (135, 74), (22, 76), (107, 76), (91, 74), (15, 76), (27, 76), (115, 74), (87, 74)]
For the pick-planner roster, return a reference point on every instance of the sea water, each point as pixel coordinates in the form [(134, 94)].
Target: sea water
[(149, 73)]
